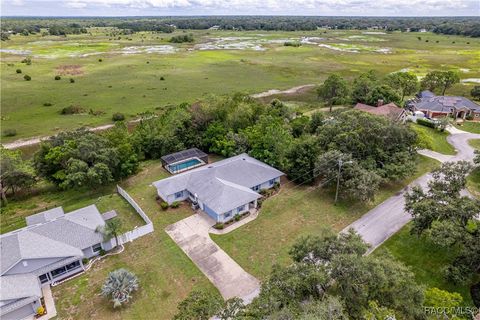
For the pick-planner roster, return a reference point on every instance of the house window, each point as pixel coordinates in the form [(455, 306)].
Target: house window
[(97, 247), (256, 188), (73, 265), (178, 194), (477, 115), (241, 208), (43, 278), (58, 272), (272, 182), (227, 214)]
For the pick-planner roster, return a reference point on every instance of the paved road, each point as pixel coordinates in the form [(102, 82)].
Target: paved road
[(383, 221), (191, 235)]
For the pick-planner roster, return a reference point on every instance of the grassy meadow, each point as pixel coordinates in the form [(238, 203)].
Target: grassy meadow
[(123, 73)]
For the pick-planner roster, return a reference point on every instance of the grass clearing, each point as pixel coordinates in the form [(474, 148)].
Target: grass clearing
[(425, 259), (434, 139), (192, 74), (298, 211)]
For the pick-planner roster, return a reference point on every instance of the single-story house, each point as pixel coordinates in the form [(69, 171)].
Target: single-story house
[(50, 248), (184, 160), (389, 110), (222, 189), (441, 106)]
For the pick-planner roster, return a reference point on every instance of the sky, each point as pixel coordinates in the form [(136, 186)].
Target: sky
[(240, 7)]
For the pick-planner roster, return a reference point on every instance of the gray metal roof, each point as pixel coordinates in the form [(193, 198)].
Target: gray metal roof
[(223, 185), (19, 286), (62, 237), (45, 216), (182, 155)]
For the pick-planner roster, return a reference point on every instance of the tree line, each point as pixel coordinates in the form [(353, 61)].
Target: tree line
[(467, 26)]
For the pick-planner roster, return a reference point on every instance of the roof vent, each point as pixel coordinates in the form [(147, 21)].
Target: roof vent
[(210, 167), (244, 159)]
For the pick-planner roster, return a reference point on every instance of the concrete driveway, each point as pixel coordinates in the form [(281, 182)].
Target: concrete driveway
[(387, 218), (191, 235)]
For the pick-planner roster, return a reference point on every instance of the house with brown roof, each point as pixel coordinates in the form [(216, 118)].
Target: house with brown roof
[(389, 110)]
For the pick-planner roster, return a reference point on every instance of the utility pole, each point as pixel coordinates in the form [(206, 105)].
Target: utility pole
[(340, 164)]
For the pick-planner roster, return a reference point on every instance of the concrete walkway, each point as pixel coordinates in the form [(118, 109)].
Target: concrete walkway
[(191, 235), (387, 218), (234, 226)]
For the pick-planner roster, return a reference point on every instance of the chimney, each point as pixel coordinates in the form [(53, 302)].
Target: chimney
[(379, 103)]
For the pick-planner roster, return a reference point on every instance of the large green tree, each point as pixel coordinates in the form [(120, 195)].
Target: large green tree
[(383, 93), (363, 85), (301, 158), (15, 173), (334, 90), (406, 83), (440, 80)]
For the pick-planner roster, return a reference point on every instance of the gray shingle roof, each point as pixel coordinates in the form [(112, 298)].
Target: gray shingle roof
[(64, 236), (19, 286), (45, 216), (445, 103), (223, 185)]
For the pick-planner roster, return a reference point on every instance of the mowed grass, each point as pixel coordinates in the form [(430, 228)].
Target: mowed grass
[(165, 273), (473, 180), (434, 139), (298, 211), (130, 83), (470, 126), (426, 260)]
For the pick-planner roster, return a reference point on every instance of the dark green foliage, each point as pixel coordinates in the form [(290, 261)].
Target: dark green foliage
[(426, 123), (27, 61), (475, 293), (58, 78), (19, 70), (199, 305), (439, 81), (475, 92), (82, 158), (72, 109), (15, 173), (118, 117), (72, 80), (9, 132), (302, 157), (383, 93), (182, 38), (363, 85), (47, 104), (27, 77), (295, 44), (334, 90), (164, 205), (175, 204), (406, 83), (219, 225), (162, 78)]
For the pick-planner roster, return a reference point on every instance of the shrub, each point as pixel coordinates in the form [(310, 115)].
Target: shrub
[(102, 252), (164, 205), (9, 132), (27, 77), (175, 204), (119, 285), (19, 70), (237, 217), (85, 261), (475, 293), (182, 38), (72, 109), (219, 226), (292, 44), (72, 80), (58, 77), (40, 310), (47, 104), (100, 60), (27, 61), (426, 123), (118, 117), (469, 117), (162, 78)]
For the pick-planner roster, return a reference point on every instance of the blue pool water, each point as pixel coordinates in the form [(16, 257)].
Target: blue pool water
[(183, 165)]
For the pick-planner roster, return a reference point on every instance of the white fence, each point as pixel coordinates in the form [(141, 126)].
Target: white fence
[(137, 232)]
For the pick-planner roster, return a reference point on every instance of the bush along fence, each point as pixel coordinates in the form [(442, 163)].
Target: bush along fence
[(137, 232)]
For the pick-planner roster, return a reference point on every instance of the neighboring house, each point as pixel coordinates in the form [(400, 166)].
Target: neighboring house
[(50, 248), (441, 106), (222, 189), (184, 160), (390, 110)]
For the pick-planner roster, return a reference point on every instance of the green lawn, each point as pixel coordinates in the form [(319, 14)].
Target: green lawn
[(433, 139), (294, 212), (470, 126), (131, 83), (425, 259)]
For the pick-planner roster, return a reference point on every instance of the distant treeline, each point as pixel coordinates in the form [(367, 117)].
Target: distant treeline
[(467, 26)]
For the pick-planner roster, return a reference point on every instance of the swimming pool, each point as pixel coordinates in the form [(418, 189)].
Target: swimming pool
[(184, 165)]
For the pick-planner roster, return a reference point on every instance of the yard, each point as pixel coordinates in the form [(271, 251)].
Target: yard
[(470, 126), (425, 259), (297, 211), (433, 139), (473, 181)]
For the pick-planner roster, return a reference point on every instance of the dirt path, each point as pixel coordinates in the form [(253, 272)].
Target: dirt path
[(291, 91)]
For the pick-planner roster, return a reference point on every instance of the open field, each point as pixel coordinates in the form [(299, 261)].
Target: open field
[(425, 259), (434, 139), (128, 78), (296, 212)]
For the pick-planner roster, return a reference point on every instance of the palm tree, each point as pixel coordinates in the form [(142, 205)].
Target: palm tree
[(110, 230), (119, 285)]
